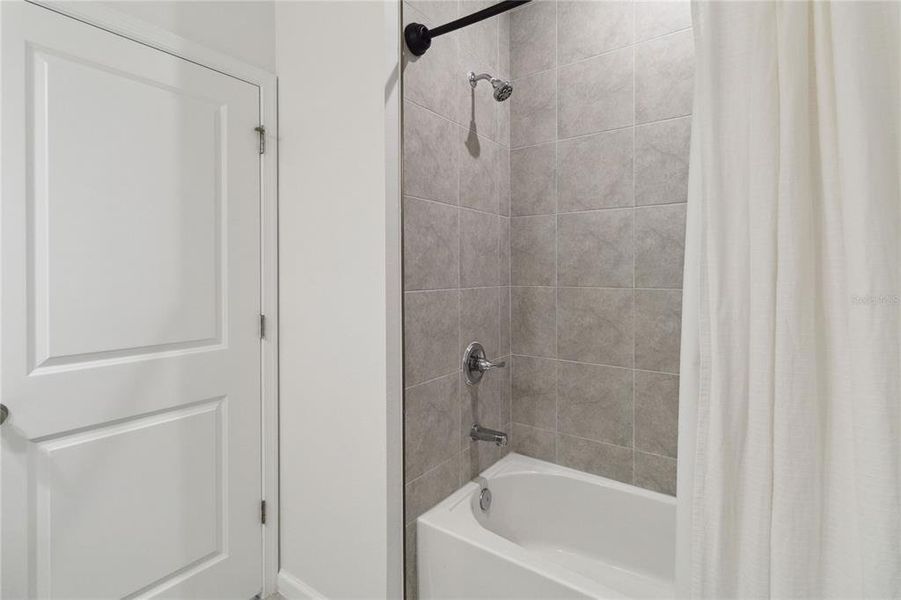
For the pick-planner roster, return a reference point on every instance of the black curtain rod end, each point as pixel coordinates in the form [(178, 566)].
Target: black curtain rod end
[(418, 38)]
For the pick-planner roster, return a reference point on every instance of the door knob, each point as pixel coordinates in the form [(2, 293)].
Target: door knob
[(475, 363), (4, 412)]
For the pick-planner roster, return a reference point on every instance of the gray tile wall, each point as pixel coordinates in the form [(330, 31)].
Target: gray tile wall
[(600, 121), (456, 235), (549, 228)]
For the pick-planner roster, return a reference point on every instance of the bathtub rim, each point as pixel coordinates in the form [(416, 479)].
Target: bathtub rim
[(520, 464)]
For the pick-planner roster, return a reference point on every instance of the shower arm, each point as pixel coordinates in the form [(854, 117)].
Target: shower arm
[(474, 79), (419, 37)]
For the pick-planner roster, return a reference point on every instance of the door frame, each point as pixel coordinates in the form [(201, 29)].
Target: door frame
[(155, 37)]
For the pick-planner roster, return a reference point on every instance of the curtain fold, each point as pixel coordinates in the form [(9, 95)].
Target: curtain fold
[(790, 401)]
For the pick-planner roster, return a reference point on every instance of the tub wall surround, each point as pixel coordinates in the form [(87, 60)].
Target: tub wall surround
[(549, 228), (456, 191), (600, 123)]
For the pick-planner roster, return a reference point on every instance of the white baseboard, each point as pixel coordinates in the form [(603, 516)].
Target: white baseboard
[(292, 588)]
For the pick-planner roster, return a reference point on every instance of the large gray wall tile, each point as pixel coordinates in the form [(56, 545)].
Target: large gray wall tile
[(606, 460), (504, 325), (664, 77), (658, 315), (595, 402), (537, 443), (656, 413), (653, 19), (431, 334), (479, 40), (479, 319), (431, 157), (533, 110), (586, 28), (595, 171), (595, 325), (480, 456), (657, 473), (659, 246), (431, 245), (595, 94), (534, 391), (505, 387), (532, 250), (503, 71), (431, 423), (479, 248), (595, 248), (532, 38), (482, 404), (503, 274), (503, 123), (532, 327), (661, 161), (503, 200), (426, 491), (503, 36), (480, 170), (533, 172)]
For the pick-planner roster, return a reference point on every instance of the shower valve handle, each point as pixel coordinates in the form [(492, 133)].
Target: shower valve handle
[(475, 363), (483, 364)]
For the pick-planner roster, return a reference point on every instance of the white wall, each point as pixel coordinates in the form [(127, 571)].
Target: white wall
[(339, 300), (242, 29)]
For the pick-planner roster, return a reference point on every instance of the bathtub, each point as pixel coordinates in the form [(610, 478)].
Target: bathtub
[(550, 532)]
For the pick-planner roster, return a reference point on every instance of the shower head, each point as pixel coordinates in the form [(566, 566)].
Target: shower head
[(502, 89)]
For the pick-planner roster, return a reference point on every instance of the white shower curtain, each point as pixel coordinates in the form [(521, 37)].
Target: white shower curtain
[(790, 423)]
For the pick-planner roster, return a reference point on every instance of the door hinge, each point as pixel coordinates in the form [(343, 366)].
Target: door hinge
[(263, 512), (262, 327), (262, 131)]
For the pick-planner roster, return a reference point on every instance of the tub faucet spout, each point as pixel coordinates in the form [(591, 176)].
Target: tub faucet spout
[(483, 434)]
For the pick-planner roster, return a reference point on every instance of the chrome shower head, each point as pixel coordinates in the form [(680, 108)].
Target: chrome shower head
[(502, 89)]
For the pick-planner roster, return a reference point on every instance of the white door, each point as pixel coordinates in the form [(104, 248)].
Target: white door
[(129, 234)]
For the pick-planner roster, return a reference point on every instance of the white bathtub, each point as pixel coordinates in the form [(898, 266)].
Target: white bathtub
[(551, 532)]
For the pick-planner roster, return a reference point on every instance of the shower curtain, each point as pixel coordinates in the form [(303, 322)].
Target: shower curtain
[(790, 424)]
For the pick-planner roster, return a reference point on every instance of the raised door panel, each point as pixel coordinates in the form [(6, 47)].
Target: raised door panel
[(123, 507), (126, 232)]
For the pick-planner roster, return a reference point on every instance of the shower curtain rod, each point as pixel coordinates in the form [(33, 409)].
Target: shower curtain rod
[(419, 37)]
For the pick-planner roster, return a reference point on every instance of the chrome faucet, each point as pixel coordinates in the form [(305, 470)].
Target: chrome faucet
[(475, 363), (483, 434)]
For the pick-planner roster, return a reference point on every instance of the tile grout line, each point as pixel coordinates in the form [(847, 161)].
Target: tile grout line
[(568, 212), (607, 52), (601, 132), (589, 364), (592, 440), (595, 441), (467, 128), (556, 231), (634, 152), (578, 287), (594, 210)]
